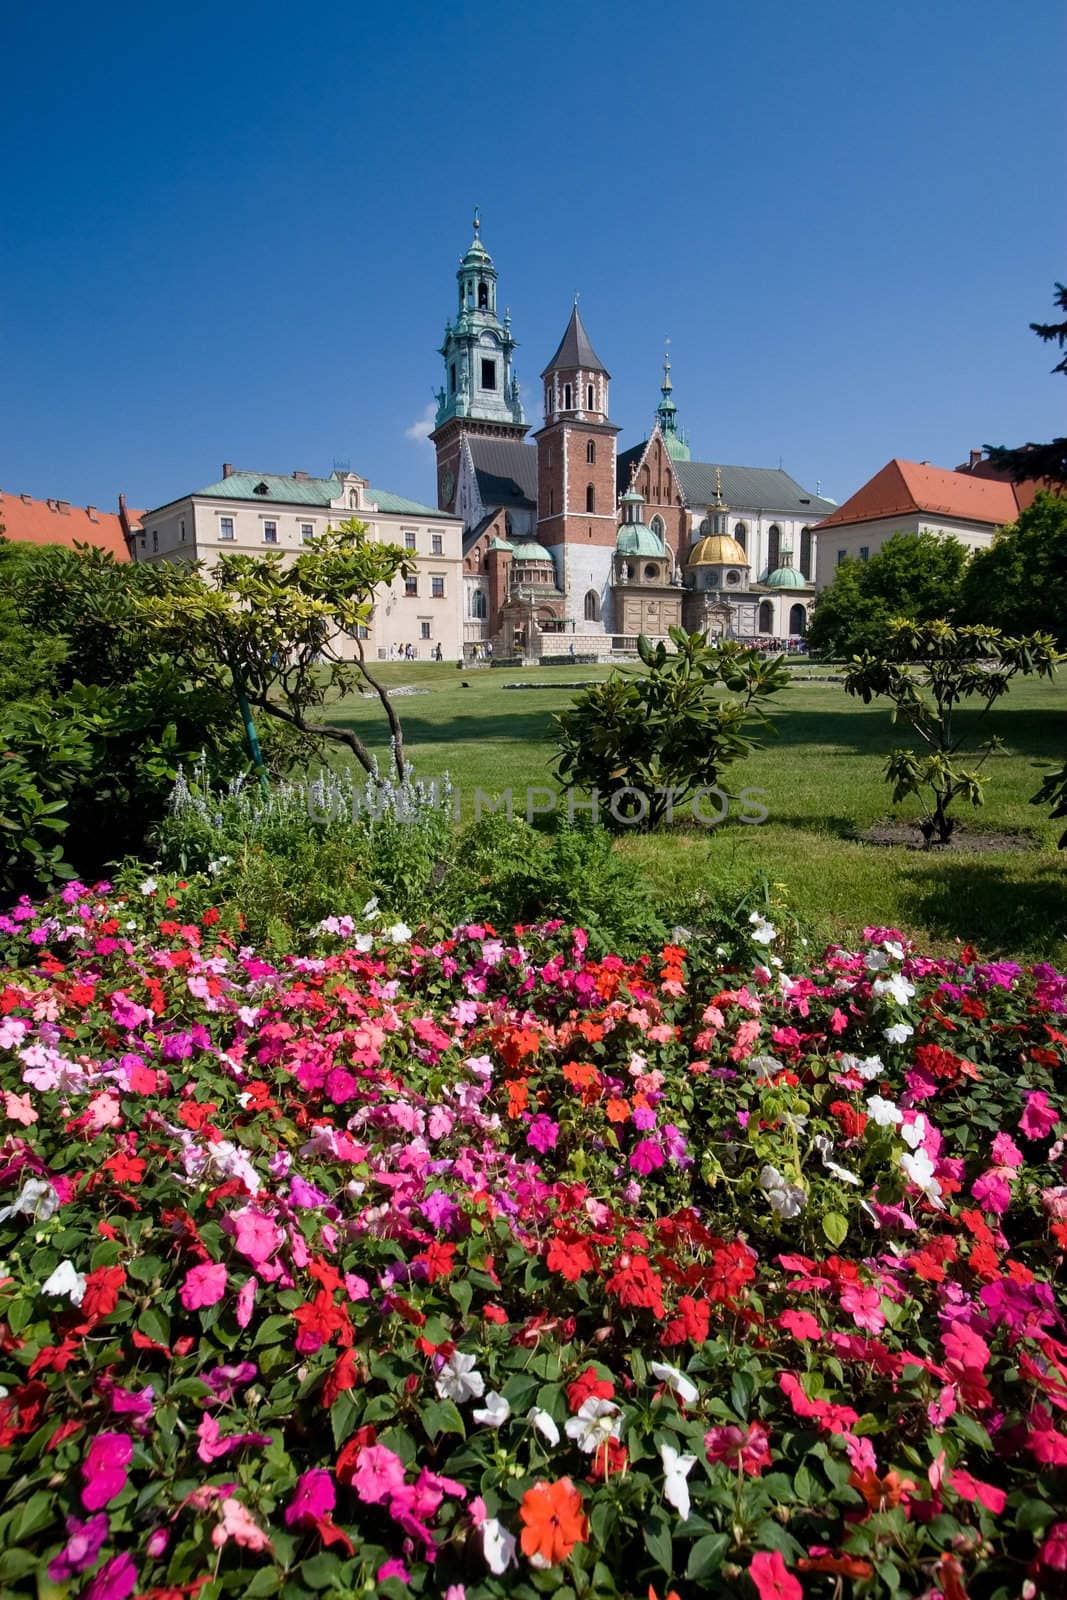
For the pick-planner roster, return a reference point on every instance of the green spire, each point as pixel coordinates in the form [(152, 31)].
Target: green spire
[(667, 416)]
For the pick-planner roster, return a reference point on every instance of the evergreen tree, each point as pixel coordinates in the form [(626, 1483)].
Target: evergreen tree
[(1045, 461), (915, 577)]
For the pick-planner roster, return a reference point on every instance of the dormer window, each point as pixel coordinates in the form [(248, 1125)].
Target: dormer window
[(261, 488)]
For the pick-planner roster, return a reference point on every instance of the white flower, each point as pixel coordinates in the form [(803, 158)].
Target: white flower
[(877, 961), (885, 1113), (676, 1381), (149, 886), (763, 932), (363, 942), (898, 1033), (37, 1199), (66, 1279), (399, 932), (786, 1199), (920, 1170), (765, 1066), (596, 1422), (676, 1469), (544, 1424), (823, 1146), (913, 1133), (896, 987), (495, 1412), (498, 1546), (458, 1380), (371, 907)]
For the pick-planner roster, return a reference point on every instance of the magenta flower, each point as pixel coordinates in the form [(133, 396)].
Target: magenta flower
[(315, 1497), (212, 1445), (245, 1297), (992, 1191), (104, 1469), (1038, 1118), (116, 1580), (1006, 1152), (85, 1540), (379, 1474), (865, 1305), (646, 1157), (204, 1285), (542, 1133), (256, 1237)]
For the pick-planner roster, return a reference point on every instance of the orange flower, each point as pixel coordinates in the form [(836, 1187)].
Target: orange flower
[(553, 1522), (618, 1110)]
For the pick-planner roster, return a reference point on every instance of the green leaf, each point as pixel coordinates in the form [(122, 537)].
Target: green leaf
[(441, 1416), (835, 1227), (658, 1541), (706, 1556)]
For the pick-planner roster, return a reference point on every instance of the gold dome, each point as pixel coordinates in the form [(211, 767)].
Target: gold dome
[(717, 550)]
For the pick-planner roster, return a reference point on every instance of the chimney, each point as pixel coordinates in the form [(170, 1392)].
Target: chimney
[(227, 469), (90, 512), (976, 456), (301, 477), (64, 507), (122, 502), (26, 499)]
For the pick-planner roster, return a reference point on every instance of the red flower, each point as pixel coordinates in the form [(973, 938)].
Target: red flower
[(636, 1284), (341, 1376), (691, 1322), (772, 1578), (609, 1459), (102, 1292), (570, 1255), (588, 1386)]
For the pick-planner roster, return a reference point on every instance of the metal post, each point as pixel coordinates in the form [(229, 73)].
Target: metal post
[(250, 730)]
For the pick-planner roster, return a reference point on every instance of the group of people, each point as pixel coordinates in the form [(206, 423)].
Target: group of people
[(409, 652)]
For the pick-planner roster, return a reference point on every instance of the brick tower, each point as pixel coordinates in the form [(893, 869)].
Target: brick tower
[(576, 511), (481, 392)]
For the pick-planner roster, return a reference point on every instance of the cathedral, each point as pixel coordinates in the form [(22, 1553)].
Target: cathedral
[(573, 546)]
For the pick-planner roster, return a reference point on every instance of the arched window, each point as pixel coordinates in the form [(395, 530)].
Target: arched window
[(774, 546), (483, 297), (353, 500), (805, 552), (590, 398), (590, 497), (590, 452), (592, 606), (658, 527), (478, 603), (548, 402), (766, 617), (741, 535), (798, 620), (567, 397)]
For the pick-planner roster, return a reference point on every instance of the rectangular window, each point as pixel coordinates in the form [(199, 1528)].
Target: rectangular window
[(452, 378), (437, 545), (409, 538), (155, 538), (865, 552), (364, 631), (270, 533), (841, 554), (225, 527), (424, 628), (183, 530), (411, 585), (488, 374), (437, 588), (307, 532)]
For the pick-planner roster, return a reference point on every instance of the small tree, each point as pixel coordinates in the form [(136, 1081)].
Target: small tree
[(647, 743), (1020, 582), (928, 670), (913, 575)]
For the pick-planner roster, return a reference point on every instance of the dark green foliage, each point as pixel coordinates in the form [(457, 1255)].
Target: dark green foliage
[(646, 743), (1054, 789), (929, 671), (1020, 583), (915, 576), (1044, 461)]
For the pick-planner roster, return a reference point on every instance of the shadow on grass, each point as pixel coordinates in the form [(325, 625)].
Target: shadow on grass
[(868, 729), (987, 903)]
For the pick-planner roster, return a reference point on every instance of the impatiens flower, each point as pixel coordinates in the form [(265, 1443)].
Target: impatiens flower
[(919, 1170), (787, 1200), (256, 1237), (899, 1033), (676, 1381), (553, 1522), (66, 1280), (239, 1524), (884, 1113), (85, 1540), (314, 1497), (676, 1468), (1053, 1552), (801, 1324), (104, 1469), (37, 1199), (498, 1546), (772, 1578), (969, 1488), (596, 1422), (378, 1475), (204, 1285), (763, 932), (544, 1423), (19, 1108), (458, 1379), (865, 1306), (542, 1133), (116, 1580), (1038, 1118), (734, 1447), (212, 1445), (494, 1413)]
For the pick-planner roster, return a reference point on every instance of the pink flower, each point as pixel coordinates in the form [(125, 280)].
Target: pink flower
[(204, 1285), (542, 1133), (256, 1237), (733, 1447), (378, 1475), (314, 1497), (116, 1580), (801, 1324), (104, 1469), (992, 1191), (1006, 1152), (1053, 1552), (245, 1297), (85, 1540), (19, 1108), (646, 1157), (1038, 1118), (972, 1489), (396, 1569), (239, 1524), (772, 1578), (865, 1304), (212, 1445)]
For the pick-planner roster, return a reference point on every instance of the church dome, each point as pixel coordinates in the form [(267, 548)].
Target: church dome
[(636, 539), (530, 550), (786, 578), (717, 550)]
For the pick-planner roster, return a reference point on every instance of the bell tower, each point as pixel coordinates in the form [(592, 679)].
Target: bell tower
[(576, 446), (480, 394)]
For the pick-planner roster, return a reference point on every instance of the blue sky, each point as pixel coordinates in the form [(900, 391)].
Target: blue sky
[(231, 230)]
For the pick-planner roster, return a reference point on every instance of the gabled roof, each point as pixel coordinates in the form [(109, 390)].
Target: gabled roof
[(905, 487), (29, 521), (273, 488), (748, 489), (575, 350), (506, 470)]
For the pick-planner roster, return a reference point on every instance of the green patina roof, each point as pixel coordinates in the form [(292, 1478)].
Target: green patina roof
[(530, 550), (786, 578), (281, 489), (501, 544), (635, 539), (396, 502)]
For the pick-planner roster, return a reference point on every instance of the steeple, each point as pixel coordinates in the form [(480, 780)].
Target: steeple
[(480, 381), (576, 380), (667, 416)]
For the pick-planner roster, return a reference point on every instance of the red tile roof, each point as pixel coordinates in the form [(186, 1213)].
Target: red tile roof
[(904, 487), (58, 522)]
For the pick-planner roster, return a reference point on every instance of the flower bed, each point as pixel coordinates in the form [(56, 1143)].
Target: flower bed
[(485, 1269)]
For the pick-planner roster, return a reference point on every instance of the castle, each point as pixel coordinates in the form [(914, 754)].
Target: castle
[(567, 541)]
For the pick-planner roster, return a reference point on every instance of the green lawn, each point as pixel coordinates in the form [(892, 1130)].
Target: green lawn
[(823, 781)]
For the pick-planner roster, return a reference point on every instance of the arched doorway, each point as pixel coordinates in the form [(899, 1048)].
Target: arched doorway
[(592, 606), (798, 620), (766, 617)]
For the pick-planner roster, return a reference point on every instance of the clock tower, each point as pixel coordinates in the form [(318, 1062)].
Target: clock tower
[(480, 395)]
